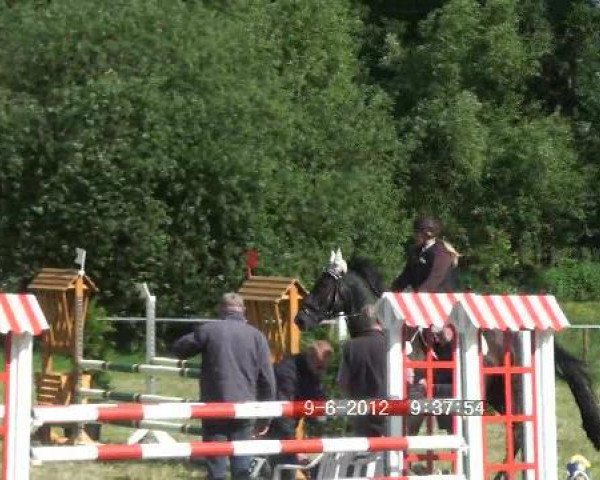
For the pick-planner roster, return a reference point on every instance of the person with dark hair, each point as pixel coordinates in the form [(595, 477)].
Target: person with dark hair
[(431, 262), (362, 373), (236, 367), (299, 377)]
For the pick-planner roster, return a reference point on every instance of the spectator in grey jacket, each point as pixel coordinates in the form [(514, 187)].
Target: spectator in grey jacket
[(236, 367)]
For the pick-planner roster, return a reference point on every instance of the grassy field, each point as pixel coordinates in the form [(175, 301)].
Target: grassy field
[(156, 470), (571, 438)]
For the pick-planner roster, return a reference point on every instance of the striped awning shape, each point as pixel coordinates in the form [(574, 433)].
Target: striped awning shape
[(423, 309), (515, 312), (21, 313), (487, 312)]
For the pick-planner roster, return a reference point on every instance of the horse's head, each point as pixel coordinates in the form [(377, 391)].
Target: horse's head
[(329, 296)]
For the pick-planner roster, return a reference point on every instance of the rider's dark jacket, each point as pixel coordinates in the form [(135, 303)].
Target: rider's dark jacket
[(432, 269), (428, 269)]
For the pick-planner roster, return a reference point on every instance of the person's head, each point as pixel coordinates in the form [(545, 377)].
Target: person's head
[(369, 314), (440, 335), (231, 303), (425, 229), (318, 356)]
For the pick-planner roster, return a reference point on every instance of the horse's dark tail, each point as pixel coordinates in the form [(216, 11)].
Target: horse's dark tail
[(573, 371)]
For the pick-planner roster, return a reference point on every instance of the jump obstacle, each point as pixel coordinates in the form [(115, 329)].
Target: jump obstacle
[(271, 304), (533, 320), (64, 295), (535, 317)]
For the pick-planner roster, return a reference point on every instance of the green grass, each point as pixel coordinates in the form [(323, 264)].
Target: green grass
[(149, 470), (571, 438)]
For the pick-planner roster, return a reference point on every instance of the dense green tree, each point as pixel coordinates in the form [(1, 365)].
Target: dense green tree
[(166, 138), (482, 154), (584, 32)]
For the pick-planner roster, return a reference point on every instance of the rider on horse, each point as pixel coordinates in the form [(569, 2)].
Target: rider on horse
[(431, 267), (431, 263)]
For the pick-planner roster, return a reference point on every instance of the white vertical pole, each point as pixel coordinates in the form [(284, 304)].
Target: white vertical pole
[(395, 378), (150, 332), (546, 405), (527, 395), (18, 411), (458, 393), (150, 340), (471, 384), (342, 327)]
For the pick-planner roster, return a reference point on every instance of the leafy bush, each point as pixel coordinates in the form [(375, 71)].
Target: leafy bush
[(572, 280), (168, 137), (97, 340)]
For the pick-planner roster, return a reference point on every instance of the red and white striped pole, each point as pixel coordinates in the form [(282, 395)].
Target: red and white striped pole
[(171, 411), (244, 447)]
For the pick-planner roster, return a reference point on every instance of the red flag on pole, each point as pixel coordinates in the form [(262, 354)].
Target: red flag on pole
[(251, 261)]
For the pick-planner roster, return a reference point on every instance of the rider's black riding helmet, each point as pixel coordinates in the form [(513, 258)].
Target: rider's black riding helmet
[(431, 227)]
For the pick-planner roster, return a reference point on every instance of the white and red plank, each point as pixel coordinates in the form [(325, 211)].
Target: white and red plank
[(178, 411), (244, 447)]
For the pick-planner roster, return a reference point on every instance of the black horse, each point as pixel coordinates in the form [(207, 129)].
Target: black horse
[(338, 290), (348, 289)]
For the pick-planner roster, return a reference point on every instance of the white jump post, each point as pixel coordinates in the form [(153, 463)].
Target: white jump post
[(150, 332), (546, 403), (468, 383), (20, 319), (470, 388), (525, 339), (395, 381), (18, 407), (142, 434)]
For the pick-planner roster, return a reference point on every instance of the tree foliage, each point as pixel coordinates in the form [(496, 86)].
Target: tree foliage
[(482, 152), (166, 138)]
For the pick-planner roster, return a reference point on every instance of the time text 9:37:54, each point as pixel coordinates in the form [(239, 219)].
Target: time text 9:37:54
[(422, 406)]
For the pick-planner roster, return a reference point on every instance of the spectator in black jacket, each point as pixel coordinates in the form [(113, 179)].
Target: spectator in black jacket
[(362, 373), (236, 367), (299, 377)]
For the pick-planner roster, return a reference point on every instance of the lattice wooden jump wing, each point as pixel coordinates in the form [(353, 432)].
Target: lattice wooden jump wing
[(271, 305), (55, 289)]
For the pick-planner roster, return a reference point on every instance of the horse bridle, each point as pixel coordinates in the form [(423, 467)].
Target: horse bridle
[(336, 298)]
